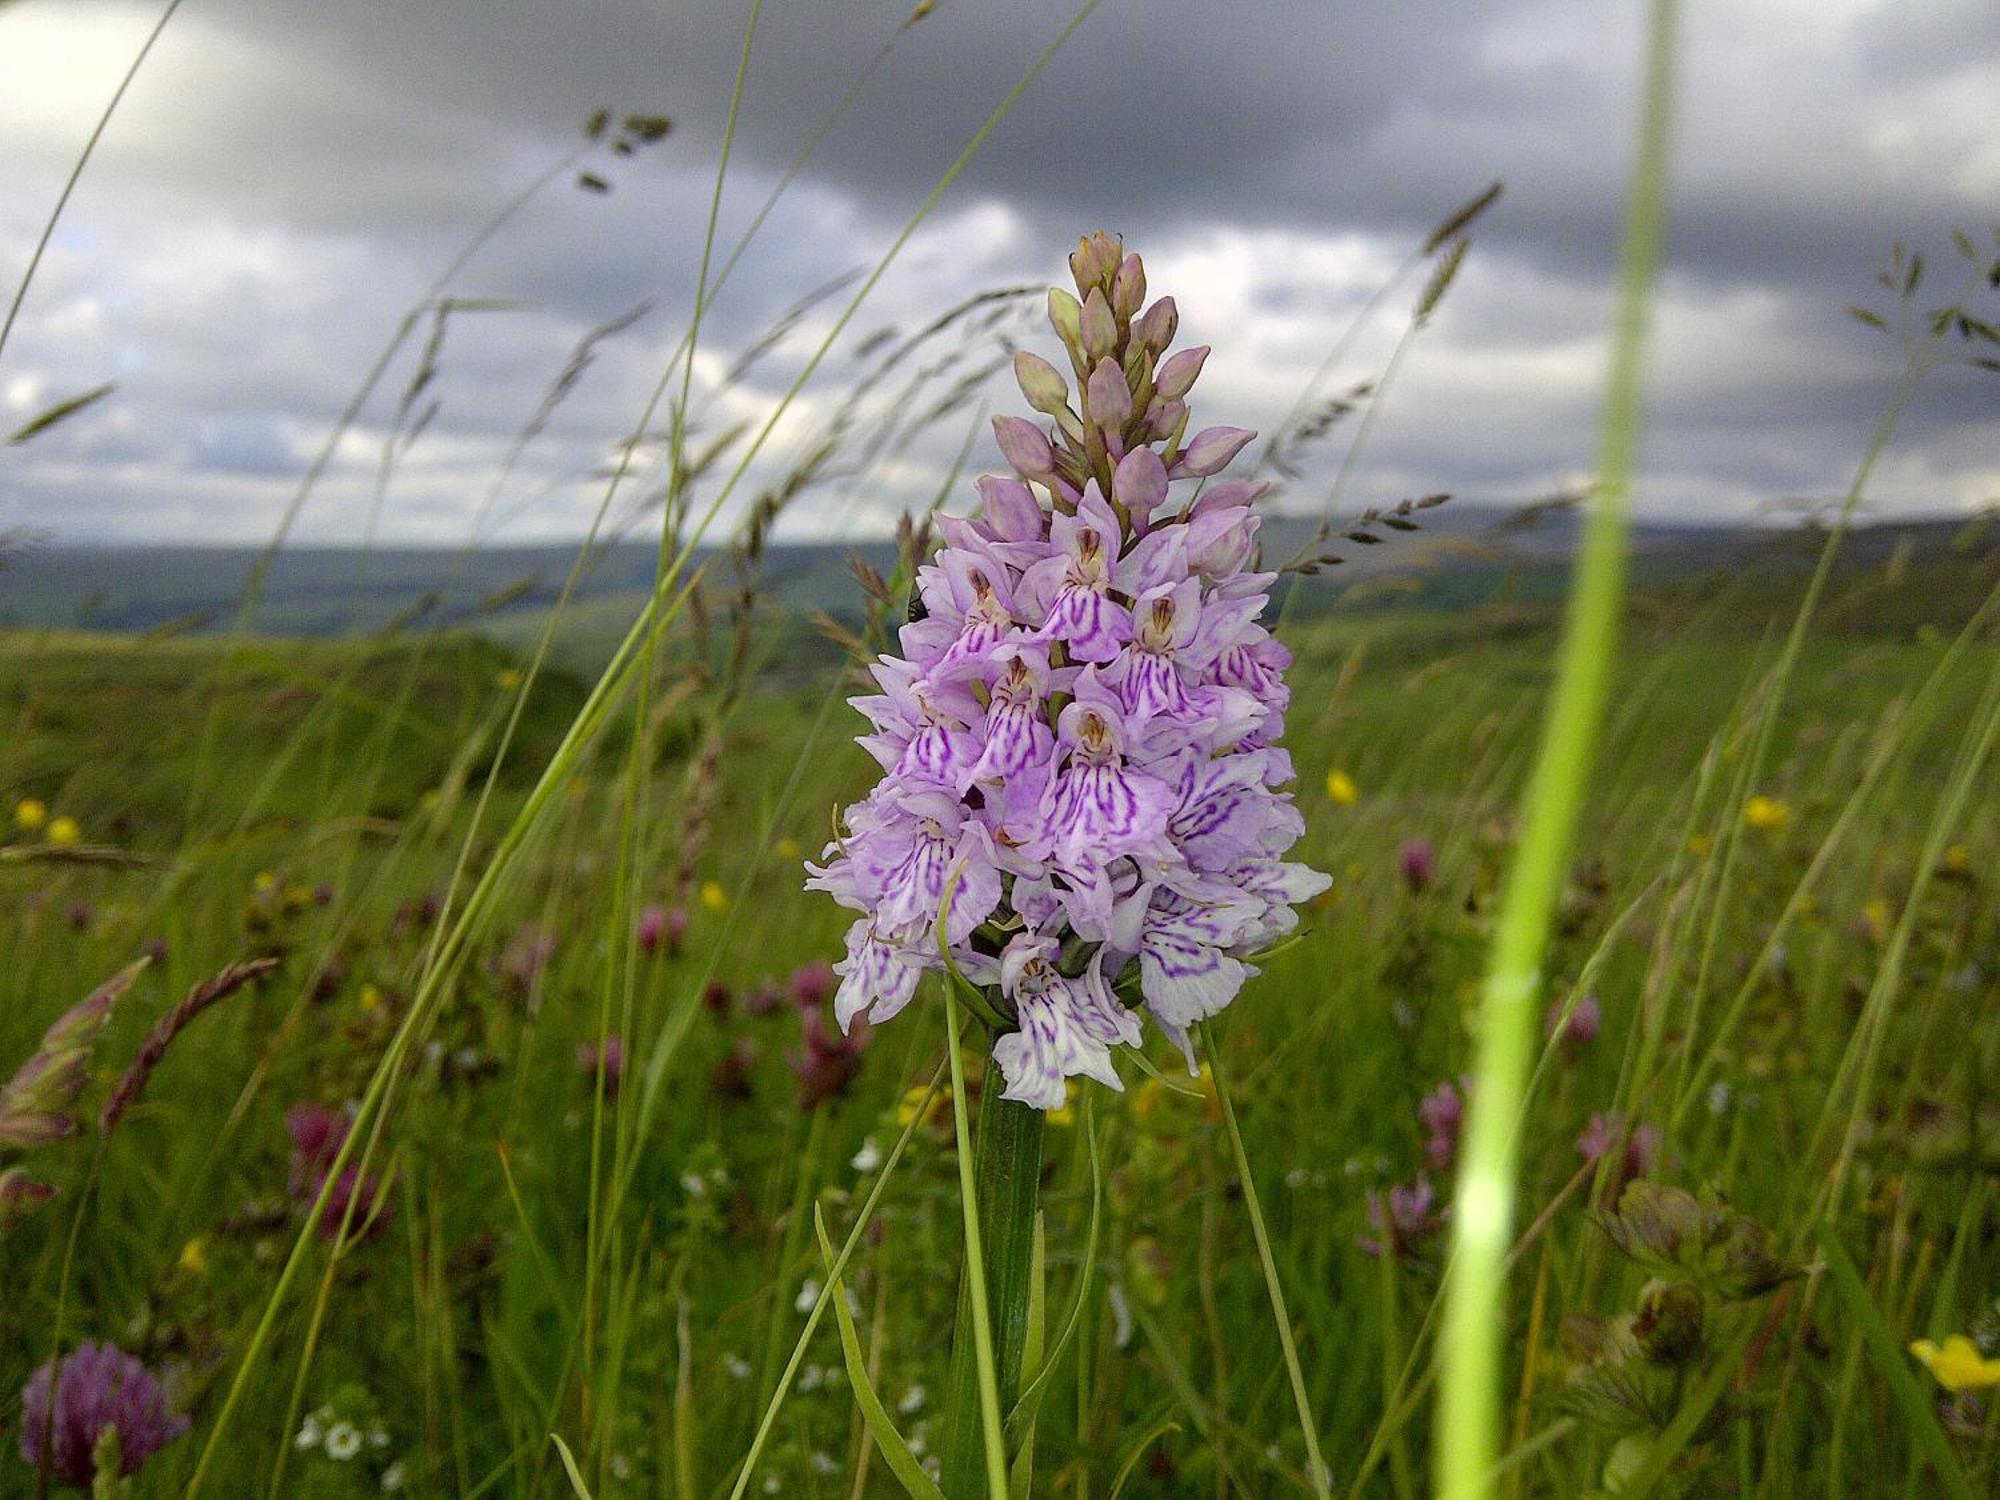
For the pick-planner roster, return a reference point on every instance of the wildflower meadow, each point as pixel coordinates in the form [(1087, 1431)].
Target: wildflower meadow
[(1145, 980)]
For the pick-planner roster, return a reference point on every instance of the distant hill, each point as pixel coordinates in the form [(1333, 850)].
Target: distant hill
[(1462, 552)]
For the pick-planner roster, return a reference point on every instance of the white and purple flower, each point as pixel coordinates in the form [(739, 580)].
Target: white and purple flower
[(1080, 783)]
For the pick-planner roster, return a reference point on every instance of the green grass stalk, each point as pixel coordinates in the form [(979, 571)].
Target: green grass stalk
[(1471, 1394)]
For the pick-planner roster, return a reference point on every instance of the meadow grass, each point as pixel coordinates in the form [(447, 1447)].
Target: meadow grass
[(460, 1319), (540, 934)]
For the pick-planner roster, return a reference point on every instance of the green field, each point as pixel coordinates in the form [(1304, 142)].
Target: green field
[(1797, 977)]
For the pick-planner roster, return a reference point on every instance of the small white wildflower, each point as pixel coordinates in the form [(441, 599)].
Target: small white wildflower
[(378, 1437), (1296, 1178), (310, 1433), (808, 1295), (811, 1378), (737, 1366), (913, 1401), (868, 1158), (621, 1467), (823, 1463), (694, 1185), (393, 1477), (933, 1465), (1718, 1097), (771, 1484), (343, 1441)]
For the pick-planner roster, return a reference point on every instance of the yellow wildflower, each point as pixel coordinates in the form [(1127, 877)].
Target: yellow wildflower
[(1957, 1363), (508, 679), (1699, 845), (1877, 916), (713, 896), (1767, 814), (370, 998), (786, 848), (264, 883), (1340, 788), (194, 1256), (30, 814), (64, 831), (1957, 860), (912, 1101)]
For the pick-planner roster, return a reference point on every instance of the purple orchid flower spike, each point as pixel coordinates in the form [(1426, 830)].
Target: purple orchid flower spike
[(1078, 738)]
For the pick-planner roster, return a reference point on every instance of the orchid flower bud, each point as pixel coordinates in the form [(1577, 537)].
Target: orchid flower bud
[(1093, 261), (1157, 328), (1140, 483), (1165, 418), (1128, 289), (1025, 446), (1066, 318), (1177, 376), (1043, 386), (1100, 328), (1108, 397), (1210, 451)]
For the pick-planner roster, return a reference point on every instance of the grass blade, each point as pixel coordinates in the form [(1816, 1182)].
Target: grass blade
[(1316, 1470), (1894, 1365), (992, 1440), (1469, 1412), (569, 1467), (895, 1451)]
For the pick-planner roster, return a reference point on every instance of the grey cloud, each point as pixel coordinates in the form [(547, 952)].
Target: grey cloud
[(287, 178)]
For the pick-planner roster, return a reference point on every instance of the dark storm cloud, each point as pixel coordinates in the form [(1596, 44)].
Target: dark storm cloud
[(286, 179)]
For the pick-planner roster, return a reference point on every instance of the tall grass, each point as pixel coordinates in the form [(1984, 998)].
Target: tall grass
[(1470, 1391), (552, 1308)]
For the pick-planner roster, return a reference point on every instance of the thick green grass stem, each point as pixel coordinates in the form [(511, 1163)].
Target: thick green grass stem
[(1471, 1388), (999, 1179)]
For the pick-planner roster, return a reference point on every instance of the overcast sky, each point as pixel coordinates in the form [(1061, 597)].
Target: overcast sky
[(287, 178)]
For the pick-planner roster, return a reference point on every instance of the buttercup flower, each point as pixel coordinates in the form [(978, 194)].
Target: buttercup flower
[(1340, 788), (1081, 780), (1957, 1363), (65, 831), (31, 814), (1766, 814), (97, 1387)]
